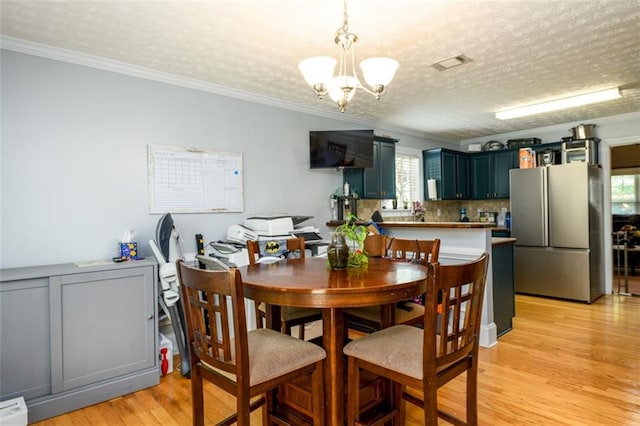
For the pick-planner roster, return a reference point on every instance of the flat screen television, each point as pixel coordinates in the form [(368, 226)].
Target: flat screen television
[(341, 148)]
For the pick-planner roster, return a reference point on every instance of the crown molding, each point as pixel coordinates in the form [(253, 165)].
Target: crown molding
[(630, 117), (92, 61)]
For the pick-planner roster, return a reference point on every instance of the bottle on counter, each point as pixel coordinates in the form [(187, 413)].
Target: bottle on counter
[(502, 217), (463, 215), (507, 219), (345, 190)]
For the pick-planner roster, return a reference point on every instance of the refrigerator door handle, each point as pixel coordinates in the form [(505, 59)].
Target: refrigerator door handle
[(545, 209)]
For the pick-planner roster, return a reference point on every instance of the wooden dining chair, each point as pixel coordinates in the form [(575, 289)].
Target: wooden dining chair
[(368, 318), (427, 358), (375, 245), (243, 363), (290, 316)]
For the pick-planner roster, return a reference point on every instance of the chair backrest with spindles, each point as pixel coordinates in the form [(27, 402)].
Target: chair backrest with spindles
[(212, 321), (457, 291), (418, 251), (293, 245)]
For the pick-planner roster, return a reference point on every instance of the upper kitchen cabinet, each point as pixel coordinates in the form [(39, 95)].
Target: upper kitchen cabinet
[(379, 181), (450, 169), (490, 173)]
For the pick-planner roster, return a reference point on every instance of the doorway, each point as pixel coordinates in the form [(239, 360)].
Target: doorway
[(625, 217)]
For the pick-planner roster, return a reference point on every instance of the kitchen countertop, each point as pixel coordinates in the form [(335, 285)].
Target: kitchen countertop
[(496, 241), (401, 224)]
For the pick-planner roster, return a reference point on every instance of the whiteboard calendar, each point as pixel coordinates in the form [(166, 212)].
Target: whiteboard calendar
[(194, 180)]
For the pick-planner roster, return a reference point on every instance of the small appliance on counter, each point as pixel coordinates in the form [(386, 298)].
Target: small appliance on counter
[(526, 158), (582, 150), (240, 234), (270, 225), (345, 205), (583, 131), (549, 157), (489, 217), (515, 143), (492, 146), (463, 215)]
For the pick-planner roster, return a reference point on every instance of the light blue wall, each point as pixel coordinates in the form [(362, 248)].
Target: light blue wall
[(73, 158)]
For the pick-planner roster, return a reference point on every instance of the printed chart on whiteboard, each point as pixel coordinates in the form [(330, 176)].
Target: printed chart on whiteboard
[(194, 180)]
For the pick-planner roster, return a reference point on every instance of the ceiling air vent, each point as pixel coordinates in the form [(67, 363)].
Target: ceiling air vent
[(452, 62)]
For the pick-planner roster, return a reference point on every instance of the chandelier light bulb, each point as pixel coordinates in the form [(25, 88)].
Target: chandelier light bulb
[(342, 89), (379, 71), (317, 71)]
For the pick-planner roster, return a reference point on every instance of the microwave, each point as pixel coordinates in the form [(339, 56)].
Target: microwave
[(578, 151)]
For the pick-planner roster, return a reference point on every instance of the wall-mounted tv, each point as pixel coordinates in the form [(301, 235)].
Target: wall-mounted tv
[(341, 148)]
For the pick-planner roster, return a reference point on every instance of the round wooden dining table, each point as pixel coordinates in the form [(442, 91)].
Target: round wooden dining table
[(311, 283)]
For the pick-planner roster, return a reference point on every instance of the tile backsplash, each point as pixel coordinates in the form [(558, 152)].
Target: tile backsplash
[(449, 210)]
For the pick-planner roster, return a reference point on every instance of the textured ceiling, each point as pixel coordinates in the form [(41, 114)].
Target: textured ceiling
[(523, 51)]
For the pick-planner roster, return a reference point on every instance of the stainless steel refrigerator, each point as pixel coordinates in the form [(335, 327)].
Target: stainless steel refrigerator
[(556, 218)]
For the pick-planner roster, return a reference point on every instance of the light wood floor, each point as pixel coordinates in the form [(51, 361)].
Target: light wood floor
[(564, 363)]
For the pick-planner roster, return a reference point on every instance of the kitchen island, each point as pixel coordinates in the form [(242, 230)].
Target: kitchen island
[(459, 242)]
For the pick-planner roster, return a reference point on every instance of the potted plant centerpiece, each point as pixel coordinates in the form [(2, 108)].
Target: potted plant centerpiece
[(354, 236)]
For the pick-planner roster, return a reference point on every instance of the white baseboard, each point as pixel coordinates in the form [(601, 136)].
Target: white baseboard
[(488, 335)]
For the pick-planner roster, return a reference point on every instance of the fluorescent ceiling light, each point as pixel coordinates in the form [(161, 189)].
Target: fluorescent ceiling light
[(589, 98)]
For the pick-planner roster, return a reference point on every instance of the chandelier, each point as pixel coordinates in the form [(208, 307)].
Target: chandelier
[(318, 71)]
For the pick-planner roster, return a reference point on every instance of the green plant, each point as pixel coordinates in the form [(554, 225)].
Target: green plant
[(354, 234)]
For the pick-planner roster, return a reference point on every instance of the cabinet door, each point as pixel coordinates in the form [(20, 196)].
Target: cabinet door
[(502, 162), (25, 363), (462, 176), (372, 175), (102, 326), (449, 176), (432, 165), (379, 181), (387, 167), (451, 172), (481, 176)]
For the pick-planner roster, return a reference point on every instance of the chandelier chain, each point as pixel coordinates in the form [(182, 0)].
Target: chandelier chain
[(345, 22)]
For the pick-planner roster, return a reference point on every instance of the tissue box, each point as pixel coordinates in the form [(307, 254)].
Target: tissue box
[(13, 412), (129, 251)]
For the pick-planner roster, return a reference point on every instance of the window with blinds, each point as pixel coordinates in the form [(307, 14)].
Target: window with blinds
[(408, 181)]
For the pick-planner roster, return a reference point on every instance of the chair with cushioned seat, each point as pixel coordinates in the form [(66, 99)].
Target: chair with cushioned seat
[(402, 250), (428, 358), (246, 364), (290, 316)]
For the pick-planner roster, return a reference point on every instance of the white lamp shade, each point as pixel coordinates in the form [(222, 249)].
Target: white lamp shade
[(317, 70), (379, 71), (338, 83)]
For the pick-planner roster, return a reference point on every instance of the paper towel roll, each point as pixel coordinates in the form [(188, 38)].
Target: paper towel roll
[(431, 189)]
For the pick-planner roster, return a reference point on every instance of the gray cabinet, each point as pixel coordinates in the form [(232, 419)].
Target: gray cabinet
[(25, 362), (72, 336)]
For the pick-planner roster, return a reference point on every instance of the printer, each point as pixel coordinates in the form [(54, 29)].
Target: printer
[(240, 234), (270, 225)]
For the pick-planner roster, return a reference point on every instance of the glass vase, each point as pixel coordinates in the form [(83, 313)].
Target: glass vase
[(338, 251)]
